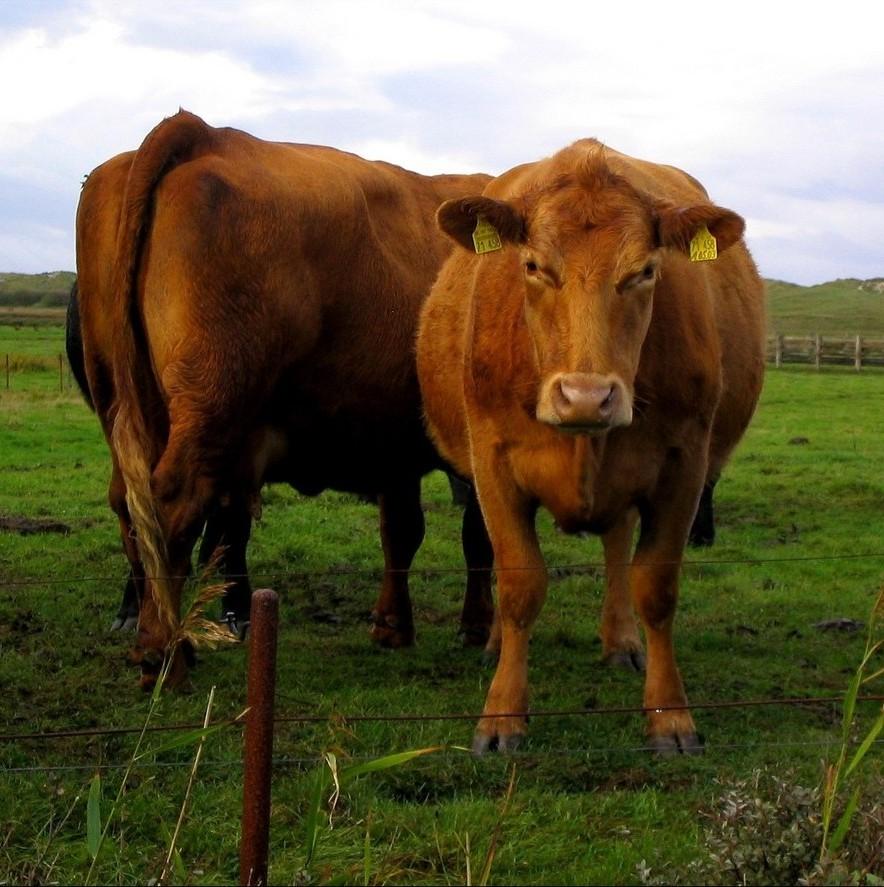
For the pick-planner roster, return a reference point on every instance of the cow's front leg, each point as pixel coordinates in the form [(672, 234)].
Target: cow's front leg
[(478, 606), (653, 580), (521, 590), (402, 531), (621, 644)]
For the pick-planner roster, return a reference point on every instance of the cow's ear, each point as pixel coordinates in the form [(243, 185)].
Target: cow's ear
[(678, 225), (458, 219)]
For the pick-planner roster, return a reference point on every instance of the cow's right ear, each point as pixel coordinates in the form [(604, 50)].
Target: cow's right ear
[(458, 219)]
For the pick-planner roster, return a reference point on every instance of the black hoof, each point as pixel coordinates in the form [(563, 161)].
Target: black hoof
[(668, 746), (238, 626), (489, 658), (632, 660), (504, 744), (124, 623), (474, 637)]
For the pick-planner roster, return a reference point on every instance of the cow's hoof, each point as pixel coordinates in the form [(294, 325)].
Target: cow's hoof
[(176, 675), (504, 743), (676, 744), (124, 623), (630, 660), (490, 657), (386, 631), (151, 662), (475, 635), (238, 626)]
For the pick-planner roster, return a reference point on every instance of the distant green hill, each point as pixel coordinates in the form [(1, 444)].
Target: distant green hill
[(838, 308), (49, 290)]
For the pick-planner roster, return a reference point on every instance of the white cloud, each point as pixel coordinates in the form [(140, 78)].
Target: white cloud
[(32, 249), (778, 113), (414, 157), (98, 65)]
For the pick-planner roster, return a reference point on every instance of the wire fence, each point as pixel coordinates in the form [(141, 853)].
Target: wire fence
[(339, 719), (401, 717)]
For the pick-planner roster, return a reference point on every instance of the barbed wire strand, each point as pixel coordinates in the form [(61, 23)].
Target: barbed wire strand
[(336, 717)]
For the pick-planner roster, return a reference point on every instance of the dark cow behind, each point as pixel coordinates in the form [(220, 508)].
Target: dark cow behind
[(588, 365), (248, 311)]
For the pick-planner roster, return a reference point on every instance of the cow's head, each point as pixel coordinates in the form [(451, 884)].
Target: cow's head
[(591, 248)]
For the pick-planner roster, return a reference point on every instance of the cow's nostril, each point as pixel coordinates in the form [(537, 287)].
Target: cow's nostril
[(608, 404)]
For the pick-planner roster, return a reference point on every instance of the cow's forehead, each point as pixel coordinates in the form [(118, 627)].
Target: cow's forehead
[(612, 221), (581, 192)]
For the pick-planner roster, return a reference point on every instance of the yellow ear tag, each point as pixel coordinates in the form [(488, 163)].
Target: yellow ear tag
[(485, 237), (703, 246)]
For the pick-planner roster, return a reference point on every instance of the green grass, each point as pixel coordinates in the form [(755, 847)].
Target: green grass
[(588, 807)]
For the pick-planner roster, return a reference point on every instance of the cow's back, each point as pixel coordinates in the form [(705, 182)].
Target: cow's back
[(291, 277)]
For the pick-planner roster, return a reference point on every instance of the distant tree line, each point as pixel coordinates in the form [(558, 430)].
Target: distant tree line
[(50, 290)]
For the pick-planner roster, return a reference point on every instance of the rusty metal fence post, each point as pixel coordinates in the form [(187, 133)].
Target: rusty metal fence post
[(258, 746)]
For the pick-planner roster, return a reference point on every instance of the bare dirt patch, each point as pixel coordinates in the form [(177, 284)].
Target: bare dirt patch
[(29, 526)]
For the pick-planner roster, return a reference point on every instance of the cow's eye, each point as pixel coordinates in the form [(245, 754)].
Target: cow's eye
[(531, 267), (647, 274)]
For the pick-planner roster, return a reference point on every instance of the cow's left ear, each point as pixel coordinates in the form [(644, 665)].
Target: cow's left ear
[(677, 225), (458, 219)]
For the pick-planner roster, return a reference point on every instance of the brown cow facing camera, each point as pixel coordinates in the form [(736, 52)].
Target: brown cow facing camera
[(248, 311), (587, 364)]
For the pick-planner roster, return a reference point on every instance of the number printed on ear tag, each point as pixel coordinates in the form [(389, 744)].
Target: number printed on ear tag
[(485, 237), (703, 247)]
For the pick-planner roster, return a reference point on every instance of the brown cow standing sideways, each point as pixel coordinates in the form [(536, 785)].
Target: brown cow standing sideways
[(248, 312), (591, 367)]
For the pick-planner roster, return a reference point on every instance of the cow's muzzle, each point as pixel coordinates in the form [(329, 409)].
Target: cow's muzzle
[(585, 403)]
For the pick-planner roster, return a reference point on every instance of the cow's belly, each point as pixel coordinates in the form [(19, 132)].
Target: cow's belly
[(350, 455)]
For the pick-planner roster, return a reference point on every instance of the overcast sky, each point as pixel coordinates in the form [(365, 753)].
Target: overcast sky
[(778, 108)]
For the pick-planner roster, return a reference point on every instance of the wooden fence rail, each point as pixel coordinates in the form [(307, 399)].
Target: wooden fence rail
[(855, 351)]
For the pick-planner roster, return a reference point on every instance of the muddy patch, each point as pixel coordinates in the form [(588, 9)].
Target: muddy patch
[(28, 526)]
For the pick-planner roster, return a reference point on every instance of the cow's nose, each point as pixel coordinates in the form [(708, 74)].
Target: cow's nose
[(587, 400)]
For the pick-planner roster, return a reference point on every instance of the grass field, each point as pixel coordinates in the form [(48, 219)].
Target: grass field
[(800, 542)]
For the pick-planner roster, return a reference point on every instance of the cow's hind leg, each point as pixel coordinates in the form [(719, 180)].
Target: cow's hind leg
[(224, 543), (183, 486), (703, 528), (402, 531), (621, 644), (130, 605)]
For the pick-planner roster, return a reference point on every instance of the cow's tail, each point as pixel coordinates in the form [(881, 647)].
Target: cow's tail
[(136, 444), (73, 344)]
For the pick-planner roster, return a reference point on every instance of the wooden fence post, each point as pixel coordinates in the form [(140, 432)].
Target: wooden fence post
[(858, 354), (818, 350), (779, 350)]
